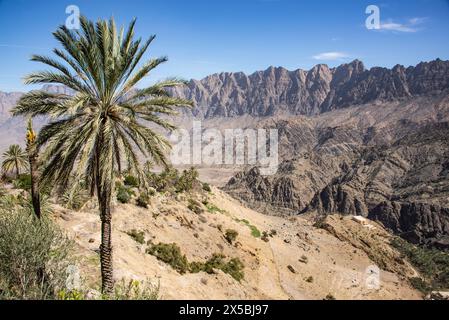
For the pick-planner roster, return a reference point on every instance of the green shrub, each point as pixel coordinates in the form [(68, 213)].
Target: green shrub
[(23, 182), (213, 208), (143, 200), (231, 235), (135, 290), (309, 279), (164, 181), (138, 236), (254, 231), (123, 194), (70, 295), (34, 256), (186, 181), (206, 187), (234, 267), (131, 181), (170, 254)]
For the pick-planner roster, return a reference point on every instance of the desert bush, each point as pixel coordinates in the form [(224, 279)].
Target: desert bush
[(254, 231), (124, 194), (165, 180), (135, 290), (34, 256), (143, 200), (206, 187), (330, 297), (170, 254), (71, 295), (136, 235), (186, 181), (131, 181), (23, 182), (231, 235), (211, 208), (233, 267)]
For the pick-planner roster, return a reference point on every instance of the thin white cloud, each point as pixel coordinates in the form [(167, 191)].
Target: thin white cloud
[(331, 56), (412, 25)]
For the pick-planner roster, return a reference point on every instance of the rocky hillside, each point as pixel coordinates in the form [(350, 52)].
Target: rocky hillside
[(387, 162), (321, 89), (281, 258)]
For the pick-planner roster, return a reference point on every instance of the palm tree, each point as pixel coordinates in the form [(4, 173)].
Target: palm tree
[(104, 122), (34, 173), (14, 159)]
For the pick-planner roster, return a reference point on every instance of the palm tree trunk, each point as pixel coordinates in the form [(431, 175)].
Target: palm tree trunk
[(107, 279), (35, 197), (17, 169)]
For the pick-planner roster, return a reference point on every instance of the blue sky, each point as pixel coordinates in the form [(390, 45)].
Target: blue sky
[(201, 37)]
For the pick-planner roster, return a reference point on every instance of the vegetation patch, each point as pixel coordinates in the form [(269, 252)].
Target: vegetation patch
[(186, 181), (231, 235), (233, 267), (135, 290), (433, 265), (23, 181), (124, 194), (34, 256), (136, 235), (206, 187), (211, 208), (171, 180), (254, 231), (131, 181), (172, 255), (143, 200)]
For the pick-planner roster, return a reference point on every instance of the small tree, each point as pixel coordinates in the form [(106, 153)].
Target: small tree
[(14, 159)]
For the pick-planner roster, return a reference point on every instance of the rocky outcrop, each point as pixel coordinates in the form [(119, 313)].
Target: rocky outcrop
[(419, 223)]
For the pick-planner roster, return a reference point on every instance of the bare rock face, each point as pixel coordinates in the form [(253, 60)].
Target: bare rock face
[(321, 89), (420, 223)]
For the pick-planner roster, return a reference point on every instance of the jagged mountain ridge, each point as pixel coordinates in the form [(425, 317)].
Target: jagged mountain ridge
[(321, 89)]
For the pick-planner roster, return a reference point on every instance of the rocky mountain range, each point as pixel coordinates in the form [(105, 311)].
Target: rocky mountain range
[(280, 91)]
